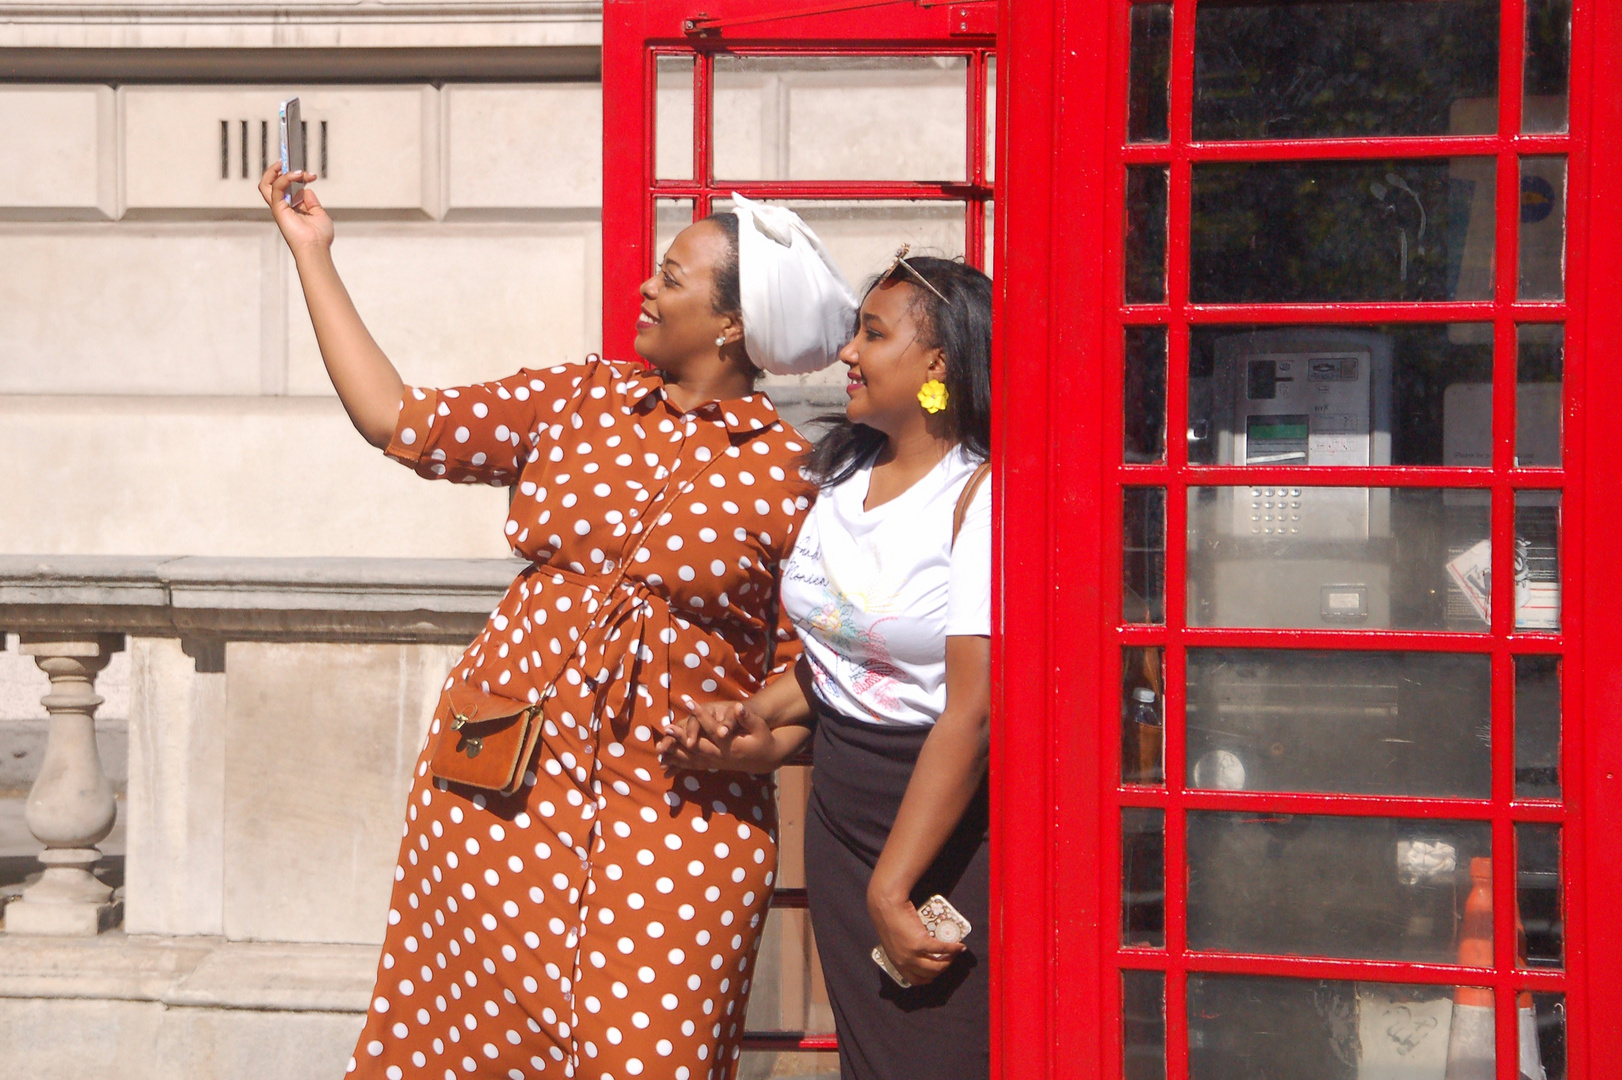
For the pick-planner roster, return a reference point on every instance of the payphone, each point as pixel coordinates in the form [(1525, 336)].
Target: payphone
[(1295, 555)]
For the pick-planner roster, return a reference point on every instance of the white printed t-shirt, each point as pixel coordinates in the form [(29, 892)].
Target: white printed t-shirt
[(874, 594)]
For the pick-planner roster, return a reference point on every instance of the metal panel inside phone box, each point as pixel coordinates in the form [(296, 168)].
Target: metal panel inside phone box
[(1295, 556)]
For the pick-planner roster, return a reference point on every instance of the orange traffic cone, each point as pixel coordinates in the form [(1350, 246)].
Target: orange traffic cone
[(1470, 1041), (1526, 1014)]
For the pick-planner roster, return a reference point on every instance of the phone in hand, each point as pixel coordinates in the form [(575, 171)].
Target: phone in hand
[(291, 125), (943, 921)]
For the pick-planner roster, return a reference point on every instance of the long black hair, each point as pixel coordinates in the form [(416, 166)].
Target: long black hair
[(961, 329)]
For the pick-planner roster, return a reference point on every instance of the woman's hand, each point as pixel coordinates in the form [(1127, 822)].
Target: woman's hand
[(305, 225), (725, 735), (919, 956)]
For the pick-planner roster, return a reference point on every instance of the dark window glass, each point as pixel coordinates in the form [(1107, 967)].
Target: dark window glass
[(1538, 896), (1143, 1025), (1146, 234), (1537, 727), (1337, 230), (1540, 354), (1145, 412), (1548, 65), (1143, 577), (1289, 71), (1149, 100), (1143, 876)]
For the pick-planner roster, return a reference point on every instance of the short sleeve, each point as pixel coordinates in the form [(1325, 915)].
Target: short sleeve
[(470, 434), (968, 592)]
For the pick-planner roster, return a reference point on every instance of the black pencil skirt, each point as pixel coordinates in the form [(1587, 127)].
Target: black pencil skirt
[(940, 1031)]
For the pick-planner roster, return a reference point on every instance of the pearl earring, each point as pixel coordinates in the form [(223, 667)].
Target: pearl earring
[(720, 341)]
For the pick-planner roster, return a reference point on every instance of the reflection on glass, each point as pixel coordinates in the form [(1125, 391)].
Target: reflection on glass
[(1143, 876), (1548, 65), (1145, 234), (1537, 560), (1143, 572), (673, 119), (1352, 557), (1543, 228), (862, 235), (1541, 1033), (1143, 707), (1248, 1026), (1537, 727), (1366, 723), (1538, 896), (1338, 230), (1149, 100), (1356, 887), (1396, 394), (1540, 350), (1290, 70), (1143, 1025), (1145, 413), (991, 120), (670, 216), (791, 118)]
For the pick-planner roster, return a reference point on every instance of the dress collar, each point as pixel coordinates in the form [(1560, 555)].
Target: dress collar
[(744, 416)]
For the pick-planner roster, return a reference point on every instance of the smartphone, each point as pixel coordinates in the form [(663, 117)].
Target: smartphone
[(292, 145), (943, 921)]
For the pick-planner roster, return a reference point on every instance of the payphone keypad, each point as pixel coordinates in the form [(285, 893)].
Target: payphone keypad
[(1275, 511)]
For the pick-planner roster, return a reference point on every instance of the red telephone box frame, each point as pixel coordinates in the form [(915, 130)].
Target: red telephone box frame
[(637, 32), (1059, 330), (1056, 841)]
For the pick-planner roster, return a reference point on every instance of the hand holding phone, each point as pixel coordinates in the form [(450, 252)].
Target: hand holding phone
[(291, 125), (943, 922)]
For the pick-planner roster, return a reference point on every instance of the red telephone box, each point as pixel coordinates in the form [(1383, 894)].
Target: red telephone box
[(1301, 766)]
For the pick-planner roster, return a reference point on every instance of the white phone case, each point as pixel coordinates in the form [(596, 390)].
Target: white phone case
[(943, 921)]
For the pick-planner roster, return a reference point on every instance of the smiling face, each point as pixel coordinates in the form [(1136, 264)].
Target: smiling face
[(888, 361), (679, 325)]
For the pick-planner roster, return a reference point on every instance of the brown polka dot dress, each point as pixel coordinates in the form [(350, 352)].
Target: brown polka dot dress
[(601, 922)]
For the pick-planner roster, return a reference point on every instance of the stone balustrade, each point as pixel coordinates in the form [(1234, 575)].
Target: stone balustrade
[(277, 707)]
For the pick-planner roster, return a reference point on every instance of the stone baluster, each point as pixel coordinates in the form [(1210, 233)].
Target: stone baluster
[(70, 809)]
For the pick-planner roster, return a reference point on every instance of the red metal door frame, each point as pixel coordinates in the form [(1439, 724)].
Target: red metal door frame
[(637, 32), (1058, 433)]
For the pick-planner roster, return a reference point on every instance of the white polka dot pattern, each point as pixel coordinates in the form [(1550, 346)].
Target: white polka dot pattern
[(603, 921)]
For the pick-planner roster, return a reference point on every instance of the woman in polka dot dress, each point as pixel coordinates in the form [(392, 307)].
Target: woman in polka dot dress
[(602, 921)]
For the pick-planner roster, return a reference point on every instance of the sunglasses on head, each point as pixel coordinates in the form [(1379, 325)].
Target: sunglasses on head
[(901, 263)]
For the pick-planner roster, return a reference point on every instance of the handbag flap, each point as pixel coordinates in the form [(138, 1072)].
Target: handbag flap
[(470, 706)]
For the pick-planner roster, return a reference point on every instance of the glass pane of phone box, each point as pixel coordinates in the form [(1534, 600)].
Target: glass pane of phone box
[(1322, 396), (1293, 70), (1351, 722), (1281, 555), (1243, 1027), (1368, 888)]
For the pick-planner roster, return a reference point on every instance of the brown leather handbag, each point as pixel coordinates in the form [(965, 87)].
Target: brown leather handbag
[(486, 741)]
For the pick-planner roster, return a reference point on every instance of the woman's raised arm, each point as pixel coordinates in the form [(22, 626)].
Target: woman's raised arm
[(366, 382)]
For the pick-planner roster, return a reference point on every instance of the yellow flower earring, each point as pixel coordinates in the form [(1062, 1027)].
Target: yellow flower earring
[(932, 396)]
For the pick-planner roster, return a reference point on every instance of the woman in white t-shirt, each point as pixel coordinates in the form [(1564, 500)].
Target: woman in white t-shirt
[(889, 587)]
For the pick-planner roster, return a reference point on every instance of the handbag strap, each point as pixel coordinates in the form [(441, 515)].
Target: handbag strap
[(961, 511)]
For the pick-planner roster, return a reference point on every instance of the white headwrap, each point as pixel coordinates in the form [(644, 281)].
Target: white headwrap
[(798, 309)]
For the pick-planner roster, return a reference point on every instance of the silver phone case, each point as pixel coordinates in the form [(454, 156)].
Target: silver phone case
[(291, 125), (941, 919)]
